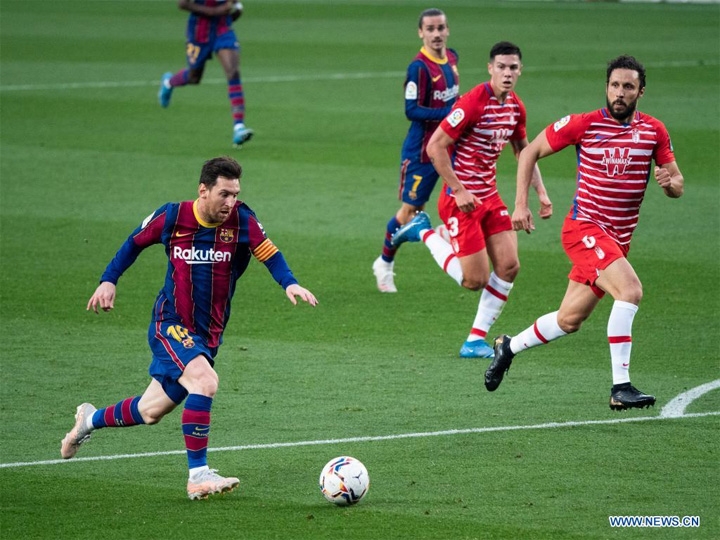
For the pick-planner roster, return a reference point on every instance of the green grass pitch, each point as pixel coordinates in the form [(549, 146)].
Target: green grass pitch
[(86, 153)]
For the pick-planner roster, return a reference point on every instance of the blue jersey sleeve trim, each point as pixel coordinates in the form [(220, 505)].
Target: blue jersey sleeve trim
[(280, 270), (123, 259), (129, 251)]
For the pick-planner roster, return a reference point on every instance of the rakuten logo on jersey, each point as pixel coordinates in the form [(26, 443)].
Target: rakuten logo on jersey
[(199, 256), (616, 160), (447, 94)]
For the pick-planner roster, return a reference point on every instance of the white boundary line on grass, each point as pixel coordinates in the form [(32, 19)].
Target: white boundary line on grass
[(326, 77), (674, 409)]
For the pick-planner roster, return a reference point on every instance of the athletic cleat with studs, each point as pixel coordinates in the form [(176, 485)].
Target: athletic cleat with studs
[(476, 349), (500, 364), (79, 434), (165, 92), (209, 482), (410, 232), (241, 135), (384, 275), (625, 396)]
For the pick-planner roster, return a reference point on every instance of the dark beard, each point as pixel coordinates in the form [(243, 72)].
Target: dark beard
[(621, 117)]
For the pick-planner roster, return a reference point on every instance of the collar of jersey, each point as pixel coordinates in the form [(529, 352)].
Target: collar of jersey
[(636, 116), (200, 220), (433, 57)]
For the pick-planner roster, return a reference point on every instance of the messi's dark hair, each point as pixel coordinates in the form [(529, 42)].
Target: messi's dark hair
[(224, 166)]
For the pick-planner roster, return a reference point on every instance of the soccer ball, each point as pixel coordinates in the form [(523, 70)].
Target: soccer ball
[(344, 481)]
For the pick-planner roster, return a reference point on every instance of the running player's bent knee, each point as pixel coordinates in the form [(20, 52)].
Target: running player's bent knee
[(570, 324), (632, 295), (152, 415), (150, 420), (474, 284), (508, 273)]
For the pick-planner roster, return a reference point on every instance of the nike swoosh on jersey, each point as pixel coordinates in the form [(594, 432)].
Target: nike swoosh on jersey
[(436, 79)]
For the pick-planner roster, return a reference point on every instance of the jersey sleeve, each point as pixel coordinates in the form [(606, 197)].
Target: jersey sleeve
[(663, 153), (148, 233), (463, 114), (265, 251), (417, 86), (520, 132), (566, 131)]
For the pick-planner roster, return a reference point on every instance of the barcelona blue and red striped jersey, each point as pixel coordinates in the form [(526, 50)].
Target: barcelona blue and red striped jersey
[(204, 263), (614, 165), (203, 29), (431, 88)]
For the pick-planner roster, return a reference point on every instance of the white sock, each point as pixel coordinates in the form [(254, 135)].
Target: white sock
[(443, 254), (544, 330), (492, 301), (619, 331), (198, 470)]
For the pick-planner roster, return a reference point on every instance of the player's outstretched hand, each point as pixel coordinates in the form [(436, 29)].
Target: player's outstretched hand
[(545, 211), (522, 220), (104, 297), (296, 290)]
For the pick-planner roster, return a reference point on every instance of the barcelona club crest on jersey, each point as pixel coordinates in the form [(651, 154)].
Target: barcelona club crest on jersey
[(227, 235)]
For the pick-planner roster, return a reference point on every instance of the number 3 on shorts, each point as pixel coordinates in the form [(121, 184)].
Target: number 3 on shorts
[(452, 227)]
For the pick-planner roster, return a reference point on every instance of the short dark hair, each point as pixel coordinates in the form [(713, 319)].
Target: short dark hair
[(224, 166), (504, 47), (626, 62), (432, 12)]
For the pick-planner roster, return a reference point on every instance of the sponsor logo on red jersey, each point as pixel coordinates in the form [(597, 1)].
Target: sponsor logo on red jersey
[(616, 160)]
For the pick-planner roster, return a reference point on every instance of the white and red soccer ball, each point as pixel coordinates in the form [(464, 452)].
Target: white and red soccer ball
[(344, 481)]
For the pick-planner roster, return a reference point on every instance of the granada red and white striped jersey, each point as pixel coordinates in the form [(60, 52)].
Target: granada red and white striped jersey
[(481, 127), (614, 163)]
